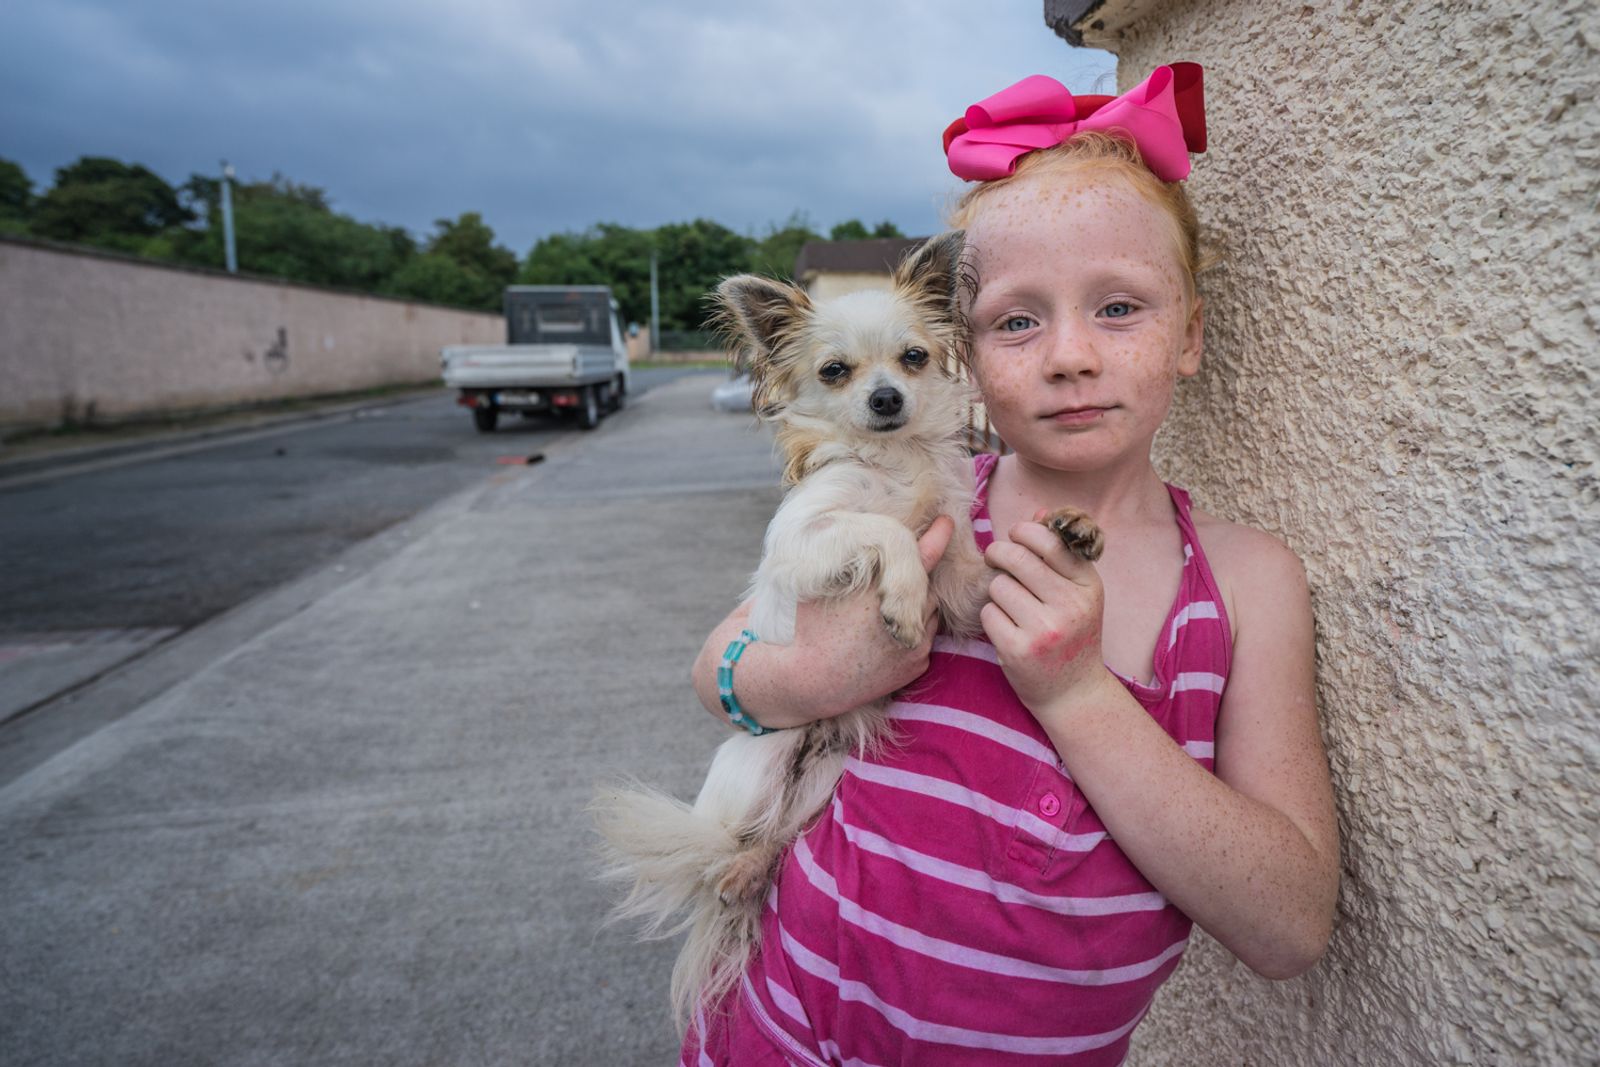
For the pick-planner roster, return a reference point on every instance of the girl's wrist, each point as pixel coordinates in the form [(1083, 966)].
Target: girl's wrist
[(773, 685), (1071, 707)]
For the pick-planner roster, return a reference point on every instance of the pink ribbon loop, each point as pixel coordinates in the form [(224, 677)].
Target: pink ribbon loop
[(1164, 115)]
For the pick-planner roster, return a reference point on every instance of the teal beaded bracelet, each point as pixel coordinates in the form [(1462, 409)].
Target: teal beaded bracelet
[(730, 705)]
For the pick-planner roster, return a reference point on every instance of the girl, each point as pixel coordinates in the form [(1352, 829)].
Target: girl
[(1134, 746)]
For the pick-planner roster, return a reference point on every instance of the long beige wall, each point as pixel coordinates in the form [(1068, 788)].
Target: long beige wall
[(1401, 382), (84, 335)]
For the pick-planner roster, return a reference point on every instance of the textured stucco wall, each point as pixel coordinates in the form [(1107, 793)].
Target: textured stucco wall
[(1403, 347), (86, 334)]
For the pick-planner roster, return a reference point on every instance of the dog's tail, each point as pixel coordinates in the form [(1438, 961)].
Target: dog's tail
[(722, 938), (672, 858), (656, 845)]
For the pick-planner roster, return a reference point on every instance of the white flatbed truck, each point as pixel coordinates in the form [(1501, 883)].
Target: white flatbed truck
[(564, 354)]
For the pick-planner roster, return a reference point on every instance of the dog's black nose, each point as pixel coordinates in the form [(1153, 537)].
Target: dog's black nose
[(886, 401)]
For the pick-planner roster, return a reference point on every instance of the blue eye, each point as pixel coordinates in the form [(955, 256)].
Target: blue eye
[(1017, 323), (1121, 309)]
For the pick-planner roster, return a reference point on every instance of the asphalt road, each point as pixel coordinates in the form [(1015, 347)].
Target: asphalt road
[(104, 560), (169, 542)]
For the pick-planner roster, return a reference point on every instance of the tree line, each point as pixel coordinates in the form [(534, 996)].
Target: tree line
[(287, 230)]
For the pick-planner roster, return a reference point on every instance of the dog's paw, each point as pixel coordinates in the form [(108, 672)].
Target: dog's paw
[(1078, 533), (908, 628), (746, 877)]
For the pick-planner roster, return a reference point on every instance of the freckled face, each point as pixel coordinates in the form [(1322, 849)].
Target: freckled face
[(1082, 322)]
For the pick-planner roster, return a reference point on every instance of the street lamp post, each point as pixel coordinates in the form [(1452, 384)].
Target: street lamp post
[(232, 257), (655, 309)]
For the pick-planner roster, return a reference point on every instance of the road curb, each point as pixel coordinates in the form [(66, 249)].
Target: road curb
[(21, 470)]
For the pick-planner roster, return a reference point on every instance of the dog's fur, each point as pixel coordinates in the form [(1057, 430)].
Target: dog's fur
[(870, 406)]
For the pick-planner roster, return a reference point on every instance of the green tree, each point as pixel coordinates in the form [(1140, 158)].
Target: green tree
[(605, 254), (287, 230), (775, 253), (439, 279), (849, 230), (16, 197), (470, 242), (460, 265), (856, 230), (575, 258), (106, 202), (691, 258)]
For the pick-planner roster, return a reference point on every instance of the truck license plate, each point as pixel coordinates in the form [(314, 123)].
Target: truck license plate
[(519, 398)]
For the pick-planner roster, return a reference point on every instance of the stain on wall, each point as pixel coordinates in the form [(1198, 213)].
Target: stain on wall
[(1403, 347), (275, 357)]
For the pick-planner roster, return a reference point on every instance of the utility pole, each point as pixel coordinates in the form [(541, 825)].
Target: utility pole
[(232, 257), (655, 308)]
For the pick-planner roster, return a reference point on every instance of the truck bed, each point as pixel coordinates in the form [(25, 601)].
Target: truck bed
[(546, 366)]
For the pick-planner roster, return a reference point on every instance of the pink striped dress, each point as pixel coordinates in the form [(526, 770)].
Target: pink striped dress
[(959, 903)]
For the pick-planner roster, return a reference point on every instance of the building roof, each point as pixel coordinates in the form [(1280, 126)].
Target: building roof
[(1064, 15), (1097, 23), (875, 255)]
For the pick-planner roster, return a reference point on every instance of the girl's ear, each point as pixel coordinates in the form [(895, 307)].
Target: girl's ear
[(1193, 341)]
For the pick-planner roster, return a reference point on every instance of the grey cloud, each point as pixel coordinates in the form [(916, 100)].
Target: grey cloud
[(543, 116)]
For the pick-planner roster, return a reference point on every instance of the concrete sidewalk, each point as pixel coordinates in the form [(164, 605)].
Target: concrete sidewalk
[(357, 835)]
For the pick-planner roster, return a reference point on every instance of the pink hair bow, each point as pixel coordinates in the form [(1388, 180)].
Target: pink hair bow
[(1165, 116)]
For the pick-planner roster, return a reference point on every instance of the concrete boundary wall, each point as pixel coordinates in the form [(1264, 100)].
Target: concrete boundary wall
[(85, 335), (1401, 381)]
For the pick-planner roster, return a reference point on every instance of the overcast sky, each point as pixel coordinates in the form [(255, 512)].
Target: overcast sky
[(543, 115)]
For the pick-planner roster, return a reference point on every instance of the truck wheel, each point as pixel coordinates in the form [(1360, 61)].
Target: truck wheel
[(484, 418), (589, 417), (618, 390)]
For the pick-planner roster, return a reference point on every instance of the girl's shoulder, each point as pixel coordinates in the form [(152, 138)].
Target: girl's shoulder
[(1252, 568)]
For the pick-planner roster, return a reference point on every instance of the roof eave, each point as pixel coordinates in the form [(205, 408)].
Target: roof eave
[(1065, 17), (1097, 23)]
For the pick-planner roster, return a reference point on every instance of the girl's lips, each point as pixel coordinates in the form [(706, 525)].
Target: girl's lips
[(1076, 416)]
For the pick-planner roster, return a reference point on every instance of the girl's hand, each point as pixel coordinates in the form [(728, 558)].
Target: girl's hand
[(1044, 618), (842, 656)]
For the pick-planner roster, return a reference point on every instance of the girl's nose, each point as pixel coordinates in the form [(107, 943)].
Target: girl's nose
[(1073, 353)]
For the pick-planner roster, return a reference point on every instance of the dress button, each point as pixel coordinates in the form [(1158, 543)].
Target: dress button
[(1049, 805)]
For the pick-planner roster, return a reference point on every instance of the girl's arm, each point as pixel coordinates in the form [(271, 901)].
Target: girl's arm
[(1251, 853), (842, 656)]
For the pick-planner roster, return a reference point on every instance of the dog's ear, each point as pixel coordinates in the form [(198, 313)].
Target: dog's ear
[(759, 311), (935, 279), (761, 317), (932, 274)]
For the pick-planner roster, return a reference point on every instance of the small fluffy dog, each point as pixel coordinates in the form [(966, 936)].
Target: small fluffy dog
[(870, 405)]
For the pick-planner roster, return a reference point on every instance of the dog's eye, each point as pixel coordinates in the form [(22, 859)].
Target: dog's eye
[(834, 372), (914, 357)]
